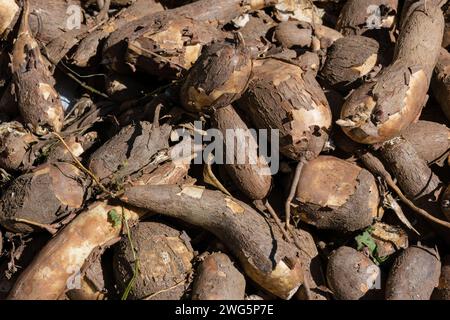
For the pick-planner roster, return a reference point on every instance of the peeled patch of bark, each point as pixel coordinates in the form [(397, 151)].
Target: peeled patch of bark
[(15, 140), (382, 109), (164, 255), (9, 11), (253, 176), (218, 78), (350, 273), (43, 196), (389, 239), (349, 59), (336, 195), (218, 279), (431, 140), (441, 82), (282, 96), (129, 151), (57, 265), (166, 43), (270, 261), (38, 102), (355, 17), (414, 275), (442, 291)]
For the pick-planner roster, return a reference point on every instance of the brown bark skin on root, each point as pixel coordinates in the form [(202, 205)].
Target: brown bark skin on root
[(129, 151), (350, 273), (68, 251), (14, 143), (265, 256), (218, 279), (413, 175), (414, 275), (354, 18), (282, 96), (218, 78), (431, 140), (145, 47), (349, 59), (43, 196), (164, 255), (381, 109), (38, 102), (442, 291), (252, 177), (335, 194), (441, 82), (89, 45)]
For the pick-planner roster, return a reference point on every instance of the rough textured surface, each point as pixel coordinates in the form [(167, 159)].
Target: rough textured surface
[(218, 279), (431, 140), (265, 256), (68, 252), (414, 275), (380, 110), (355, 14), (218, 78), (349, 59), (164, 255), (282, 96), (58, 188), (38, 102), (14, 143), (129, 151), (337, 195), (253, 176), (350, 273)]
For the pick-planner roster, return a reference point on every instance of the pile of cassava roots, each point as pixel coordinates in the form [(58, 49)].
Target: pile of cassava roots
[(108, 188)]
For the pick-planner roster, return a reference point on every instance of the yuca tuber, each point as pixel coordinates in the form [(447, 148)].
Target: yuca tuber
[(441, 82), (337, 195), (359, 16), (268, 259), (163, 255), (59, 263), (167, 43), (218, 279), (129, 151), (251, 176), (218, 78), (442, 291), (15, 140), (431, 140), (380, 110), (350, 274), (282, 96), (42, 197), (298, 34), (414, 275), (349, 59), (38, 102)]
